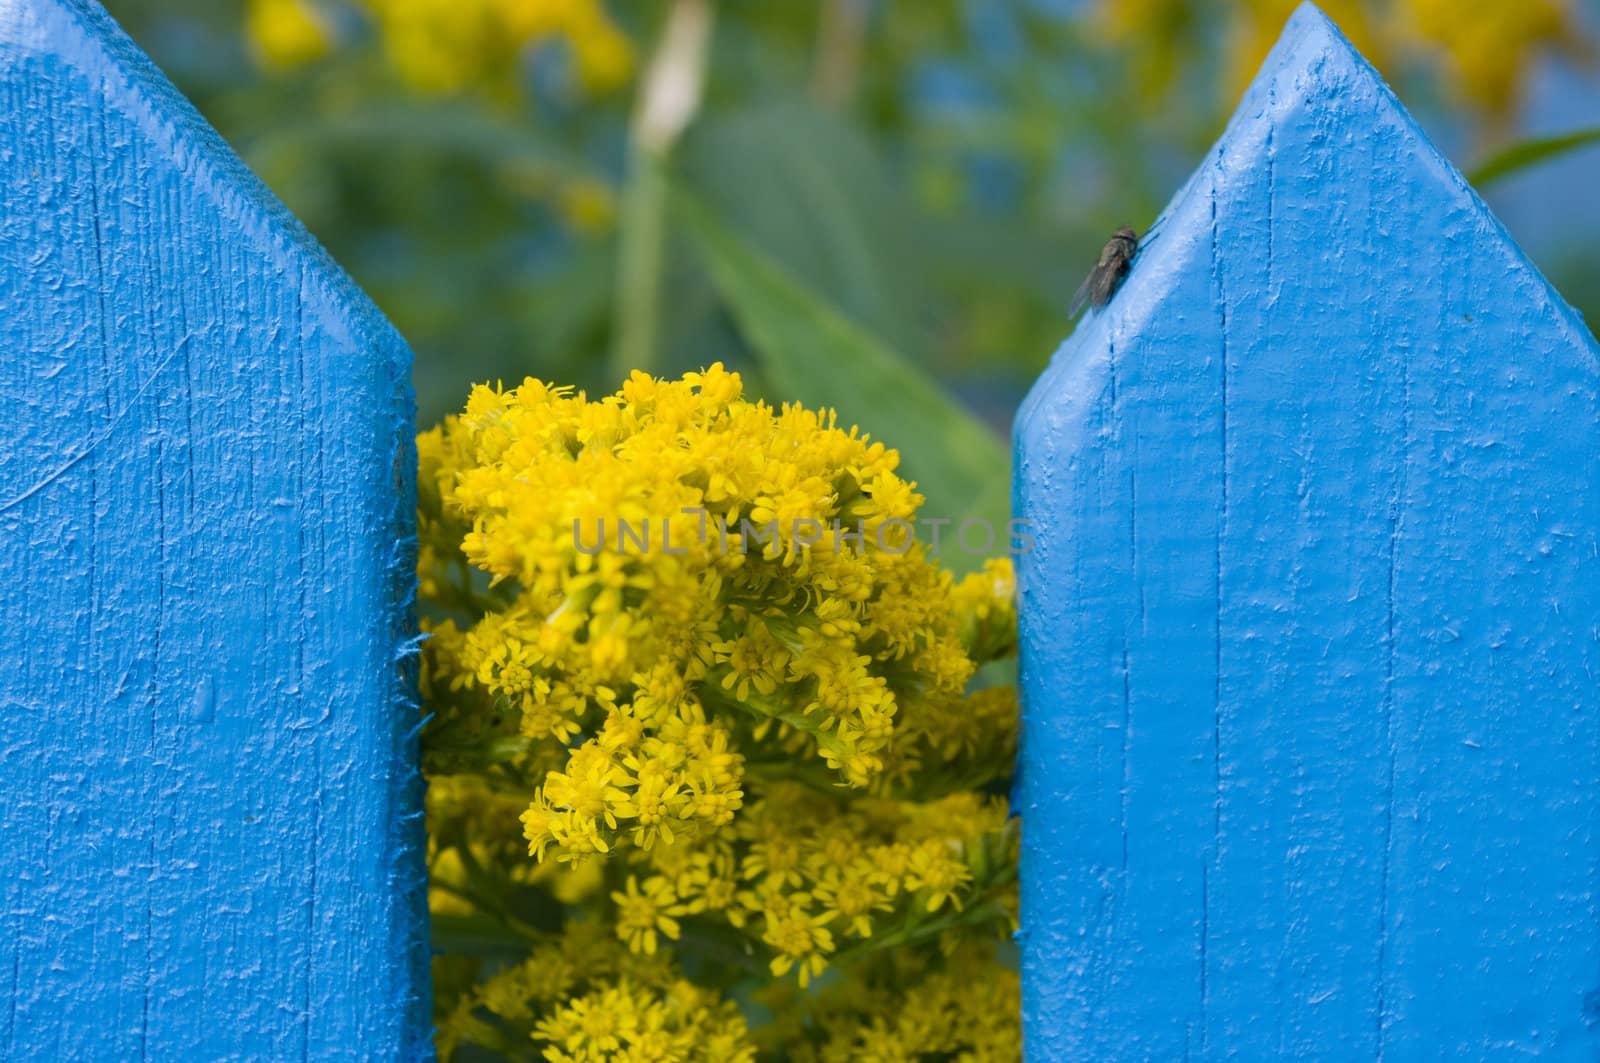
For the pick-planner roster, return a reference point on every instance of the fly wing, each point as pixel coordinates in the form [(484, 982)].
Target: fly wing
[(1080, 298)]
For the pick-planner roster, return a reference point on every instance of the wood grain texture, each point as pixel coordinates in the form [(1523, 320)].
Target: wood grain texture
[(208, 784), (1311, 760)]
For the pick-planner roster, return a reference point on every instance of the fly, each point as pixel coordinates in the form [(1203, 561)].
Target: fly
[(1116, 258)]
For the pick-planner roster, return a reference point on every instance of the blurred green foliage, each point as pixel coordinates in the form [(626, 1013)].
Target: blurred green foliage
[(934, 177)]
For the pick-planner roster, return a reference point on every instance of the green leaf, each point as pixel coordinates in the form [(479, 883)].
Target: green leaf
[(848, 232), (813, 354), (1528, 153)]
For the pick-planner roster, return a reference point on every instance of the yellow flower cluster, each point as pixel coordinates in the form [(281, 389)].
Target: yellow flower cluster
[(622, 1021), (781, 594), (582, 999), (810, 873), (694, 682), (445, 46), (897, 1010)]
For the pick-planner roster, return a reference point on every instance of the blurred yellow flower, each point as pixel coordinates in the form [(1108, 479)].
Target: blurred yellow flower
[(626, 1020), (1254, 27), (968, 1011), (588, 206), (1486, 47), (287, 33), (447, 46), (1154, 33)]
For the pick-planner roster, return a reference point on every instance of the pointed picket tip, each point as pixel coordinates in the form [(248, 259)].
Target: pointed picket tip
[(207, 524), (80, 38), (1312, 76), (1307, 636)]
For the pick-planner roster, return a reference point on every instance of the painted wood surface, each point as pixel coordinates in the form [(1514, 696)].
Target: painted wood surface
[(1311, 758), (208, 787)]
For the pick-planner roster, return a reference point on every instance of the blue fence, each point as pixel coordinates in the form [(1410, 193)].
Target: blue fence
[(207, 785), (1311, 629), (1310, 625)]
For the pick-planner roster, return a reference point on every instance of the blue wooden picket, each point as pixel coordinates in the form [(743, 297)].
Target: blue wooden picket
[(1311, 624), (1310, 619), (208, 786)]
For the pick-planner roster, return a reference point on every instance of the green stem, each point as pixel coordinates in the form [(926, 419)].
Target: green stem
[(764, 707), (917, 931), (639, 258), (669, 96)]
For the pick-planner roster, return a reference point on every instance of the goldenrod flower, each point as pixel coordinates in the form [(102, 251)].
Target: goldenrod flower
[(643, 914), (716, 701), (799, 936)]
